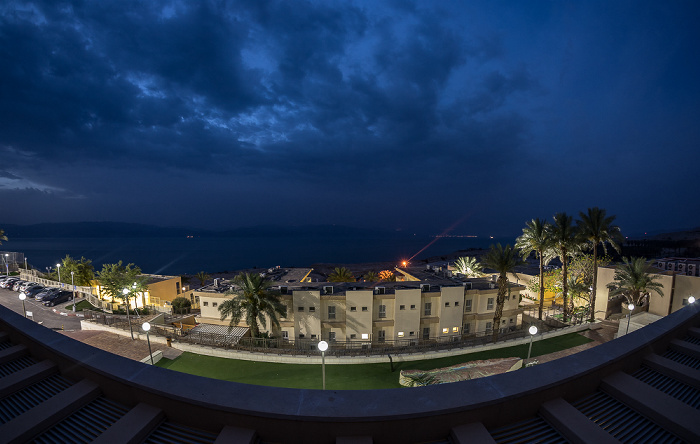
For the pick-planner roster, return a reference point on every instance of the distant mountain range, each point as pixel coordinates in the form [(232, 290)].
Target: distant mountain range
[(130, 230)]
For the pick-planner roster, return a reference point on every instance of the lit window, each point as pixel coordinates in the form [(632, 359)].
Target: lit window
[(365, 335), (445, 330), (455, 329), (400, 334)]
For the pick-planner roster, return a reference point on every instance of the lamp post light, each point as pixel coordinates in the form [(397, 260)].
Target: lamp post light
[(25, 263), (630, 307), (323, 346), (691, 300), (58, 266), (72, 284), (22, 297), (147, 327), (533, 331), (126, 297), (7, 264)]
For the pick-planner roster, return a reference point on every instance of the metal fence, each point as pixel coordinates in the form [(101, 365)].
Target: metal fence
[(309, 347)]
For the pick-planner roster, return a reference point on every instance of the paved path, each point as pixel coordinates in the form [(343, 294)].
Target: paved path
[(606, 332), (121, 345)]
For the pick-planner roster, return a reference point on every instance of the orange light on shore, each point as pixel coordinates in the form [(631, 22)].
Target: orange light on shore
[(404, 263)]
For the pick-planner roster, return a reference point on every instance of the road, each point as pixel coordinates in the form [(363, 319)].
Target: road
[(41, 314)]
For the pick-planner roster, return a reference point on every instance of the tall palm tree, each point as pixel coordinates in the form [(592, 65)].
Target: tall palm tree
[(2, 236), (503, 260), (536, 237), (634, 280), (341, 274), (371, 276), (564, 243), (597, 229), (468, 266), (253, 301), (202, 277)]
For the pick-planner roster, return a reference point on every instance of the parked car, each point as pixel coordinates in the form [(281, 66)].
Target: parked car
[(16, 285), (26, 285), (46, 293), (33, 291), (58, 298), (8, 283)]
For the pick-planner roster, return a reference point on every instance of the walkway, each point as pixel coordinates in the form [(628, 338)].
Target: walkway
[(120, 345)]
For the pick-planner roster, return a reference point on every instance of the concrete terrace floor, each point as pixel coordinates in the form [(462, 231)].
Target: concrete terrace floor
[(138, 349)]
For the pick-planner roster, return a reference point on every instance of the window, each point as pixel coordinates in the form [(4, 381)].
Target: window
[(285, 335), (413, 333), (382, 335), (353, 309), (364, 308), (447, 304), (382, 311), (511, 321), (428, 309), (402, 307), (467, 328), (380, 290), (455, 329), (300, 308), (301, 335), (177, 287), (353, 336), (400, 334), (413, 306), (456, 303), (331, 336), (312, 309), (445, 330), (328, 289), (206, 304), (503, 322), (468, 305), (214, 304), (426, 332), (331, 312), (365, 335), (489, 304), (313, 336), (488, 327)]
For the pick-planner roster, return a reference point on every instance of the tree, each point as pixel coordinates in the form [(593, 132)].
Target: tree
[(387, 276), (536, 238), (253, 302), (597, 229), (2, 236), (115, 278), (503, 260), (371, 276), (564, 243), (634, 281), (202, 277), (468, 266), (341, 274), (181, 305), (83, 271)]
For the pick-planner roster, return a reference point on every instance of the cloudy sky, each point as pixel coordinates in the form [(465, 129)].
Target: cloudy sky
[(399, 115)]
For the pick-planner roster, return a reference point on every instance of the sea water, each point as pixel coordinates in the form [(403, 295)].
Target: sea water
[(174, 256)]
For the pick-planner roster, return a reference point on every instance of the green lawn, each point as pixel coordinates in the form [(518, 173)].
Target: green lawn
[(346, 376), (82, 305)]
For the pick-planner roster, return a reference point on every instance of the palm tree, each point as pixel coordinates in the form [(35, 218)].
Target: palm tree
[(371, 276), (468, 266), (503, 260), (387, 276), (536, 237), (2, 236), (595, 228), (202, 277), (341, 274), (564, 243), (634, 281), (254, 302)]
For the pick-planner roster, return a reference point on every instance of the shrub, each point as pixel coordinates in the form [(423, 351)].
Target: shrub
[(181, 305)]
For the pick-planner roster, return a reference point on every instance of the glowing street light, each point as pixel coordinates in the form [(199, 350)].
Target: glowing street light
[(533, 331), (691, 300), (323, 346), (630, 307), (126, 296), (59, 274), (22, 297), (72, 284), (147, 327)]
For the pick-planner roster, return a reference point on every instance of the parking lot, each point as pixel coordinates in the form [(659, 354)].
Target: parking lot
[(44, 315)]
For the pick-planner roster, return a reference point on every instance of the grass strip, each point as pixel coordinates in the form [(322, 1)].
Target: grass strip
[(346, 376)]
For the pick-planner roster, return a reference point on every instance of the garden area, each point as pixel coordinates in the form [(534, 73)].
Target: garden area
[(346, 376)]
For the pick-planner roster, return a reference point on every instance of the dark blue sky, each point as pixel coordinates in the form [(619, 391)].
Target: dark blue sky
[(410, 115)]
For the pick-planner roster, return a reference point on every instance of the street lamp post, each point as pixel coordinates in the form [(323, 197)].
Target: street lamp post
[(533, 331), (630, 307), (7, 264), (58, 266), (691, 300), (323, 346), (147, 327), (72, 284), (22, 297), (126, 297), (25, 263)]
